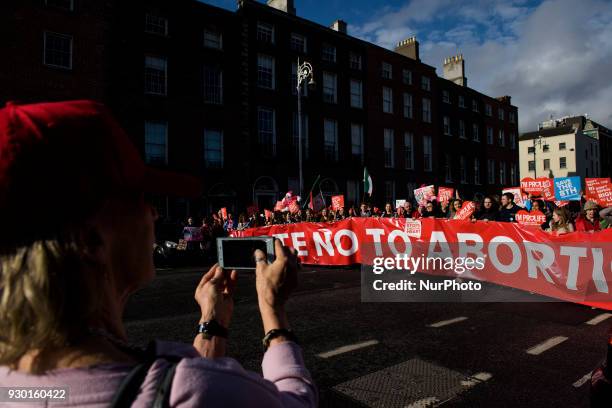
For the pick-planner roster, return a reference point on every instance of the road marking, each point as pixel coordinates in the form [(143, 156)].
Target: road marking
[(423, 403), (346, 349), (582, 381), (447, 322), (548, 344), (599, 319), (477, 379)]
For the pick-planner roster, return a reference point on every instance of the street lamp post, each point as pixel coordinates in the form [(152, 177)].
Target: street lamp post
[(304, 72), (535, 163)]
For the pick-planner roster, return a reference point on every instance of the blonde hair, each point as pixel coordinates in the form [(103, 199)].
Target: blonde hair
[(49, 291), (563, 222)]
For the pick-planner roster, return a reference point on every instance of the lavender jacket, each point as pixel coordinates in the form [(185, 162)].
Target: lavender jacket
[(198, 382)]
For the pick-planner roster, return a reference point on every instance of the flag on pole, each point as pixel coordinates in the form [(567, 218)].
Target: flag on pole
[(367, 182), (317, 202)]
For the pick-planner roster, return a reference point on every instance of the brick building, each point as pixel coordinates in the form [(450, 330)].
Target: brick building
[(212, 92)]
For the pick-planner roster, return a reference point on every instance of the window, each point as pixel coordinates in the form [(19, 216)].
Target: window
[(447, 127), (266, 130), (491, 171), (298, 43), (546, 164), (156, 24), (562, 163), (407, 77), (512, 117), (265, 71), (463, 169), (501, 114), (501, 138), (156, 73), (488, 110), (445, 96), (530, 150), (489, 135), (474, 105), (562, 146), (58, 50), (407, 105), (531, 165), (448, 171), (387, 70), (390, 192), (213, 85), (475, 133), (512, 140), (356, 94), (329, 88), (502, 173), (355, 61), (427, 156), (330, 144), (513, 174), (461, 101), (476, 170), (387, 100), (60, 4), (265, 32), (328, 53), (156, 142), (295, 136), (213, 148), (425, 83), (357, 141), (213, 38), (408, 151), (545, 148), (462, 129), (389, 148), (427, 110)]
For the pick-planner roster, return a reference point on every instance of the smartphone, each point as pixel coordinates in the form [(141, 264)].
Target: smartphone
[(237, 253)]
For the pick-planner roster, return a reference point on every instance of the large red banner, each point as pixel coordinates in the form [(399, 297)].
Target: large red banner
[(574, 267)]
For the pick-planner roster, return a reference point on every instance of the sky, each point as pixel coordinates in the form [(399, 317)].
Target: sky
[(553, 57)]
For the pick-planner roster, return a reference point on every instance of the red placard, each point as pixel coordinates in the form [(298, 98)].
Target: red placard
[(533, 218), (294, 206), (599, 190), (424, 194), (224, 213), (445, 194), (534, 186), (268, 214), (466, 211), (279, 206), (548, 190), (337, 202)]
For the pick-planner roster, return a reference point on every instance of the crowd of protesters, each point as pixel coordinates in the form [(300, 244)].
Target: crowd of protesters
[(575, 216)]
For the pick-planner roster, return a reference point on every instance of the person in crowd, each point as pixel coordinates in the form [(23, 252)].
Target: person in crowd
[(352, 212), (606, 218), (508, 209), (365, 210), (340, 215), (299, 216), (206, 231), (409, 210), (325, 216), (242, 222), (229, 224), (388, 211), (588, 220), (455, 207), (310, 216), (70, 269), (560, 223), (376, 212), (429, 210), (288, 218), (444, 209), (190, 222), (400, 212), (488, 211)]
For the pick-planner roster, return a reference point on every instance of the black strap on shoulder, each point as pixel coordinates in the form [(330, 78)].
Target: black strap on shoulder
[(162, 396), (130, 386)]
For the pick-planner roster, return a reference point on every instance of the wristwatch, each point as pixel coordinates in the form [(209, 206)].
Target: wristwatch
[(212, 328), (274, 333)]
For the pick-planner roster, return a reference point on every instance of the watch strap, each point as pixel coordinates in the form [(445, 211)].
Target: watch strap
[(274, 333), (212, 328)]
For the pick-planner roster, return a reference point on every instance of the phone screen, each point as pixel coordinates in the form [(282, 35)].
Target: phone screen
[(238, 253)]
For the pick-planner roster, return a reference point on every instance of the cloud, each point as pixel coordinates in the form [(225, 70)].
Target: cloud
[(552, 58)]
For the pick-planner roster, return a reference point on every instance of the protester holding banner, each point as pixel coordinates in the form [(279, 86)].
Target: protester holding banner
[(588, 220), (560, 223), (455, 207), (489, 210), (508, 209), (364, 210), (388, 212), (429, 210), (325, 216)]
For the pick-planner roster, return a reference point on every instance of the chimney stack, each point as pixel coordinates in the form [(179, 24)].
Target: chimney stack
[(339, 26), (287, 6), (409, 48), (454, 69)]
